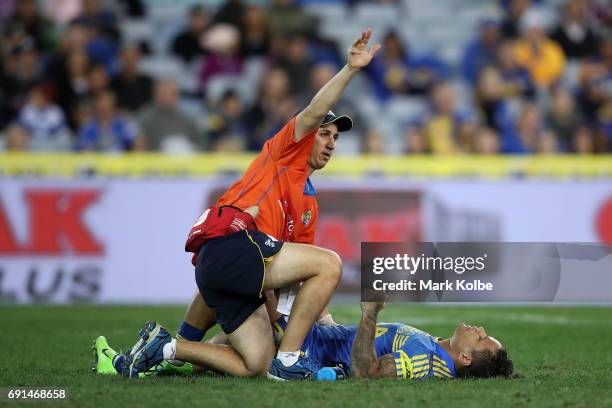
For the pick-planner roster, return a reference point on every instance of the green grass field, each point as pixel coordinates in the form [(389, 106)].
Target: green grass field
[(561, 353)]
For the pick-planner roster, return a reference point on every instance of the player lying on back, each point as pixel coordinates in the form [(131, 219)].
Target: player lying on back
[(369, 350), (406, 352)]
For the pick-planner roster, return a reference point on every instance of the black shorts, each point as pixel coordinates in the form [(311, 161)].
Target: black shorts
[(230, 275)]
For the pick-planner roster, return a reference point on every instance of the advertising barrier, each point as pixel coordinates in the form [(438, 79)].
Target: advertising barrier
[(121, 241)]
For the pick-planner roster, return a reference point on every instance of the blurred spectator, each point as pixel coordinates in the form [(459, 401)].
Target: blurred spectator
[(81, 114), (599, 14), (4, 109), (582, 141), (524, 135), (353, 3), (255, 33), (44, 122), (23, 71), (227, 127), (603, 138), (508, 63), (324, 50), (17, 139), (541, 56), (273, 108), (486, 141), (98, 80), (163, 120), (102, 51), (373, 142), (107, 131), (288, 18), (446, 129), (62, 11), (73, 84), (223, 43), (102, 33), (491, 100), (7, 8), (297, 63), (563, 118), (187, 45), (103, 21), (231, 12), (395, 71), (28, 21), (415, 141), (133, 8), (74, 39), (573, 33), (596, 81), (481, 51), (515, 10), (517, 80), (547, 143), (133, 89)]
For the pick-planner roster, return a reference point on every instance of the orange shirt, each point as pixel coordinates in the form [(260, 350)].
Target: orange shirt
[(276, 181)]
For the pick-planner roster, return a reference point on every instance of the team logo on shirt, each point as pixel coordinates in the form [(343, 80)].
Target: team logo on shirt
[(306, 217)]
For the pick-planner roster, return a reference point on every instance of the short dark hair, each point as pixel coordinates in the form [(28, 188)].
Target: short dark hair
[(486, 364)]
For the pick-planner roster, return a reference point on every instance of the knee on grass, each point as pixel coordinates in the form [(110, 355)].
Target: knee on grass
[(259, 366)]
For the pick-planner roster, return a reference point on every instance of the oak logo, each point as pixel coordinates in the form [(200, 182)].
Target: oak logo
[(56, 224), (603, 222)]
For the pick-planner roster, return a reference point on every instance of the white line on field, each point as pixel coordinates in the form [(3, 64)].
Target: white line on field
[(509, 317)]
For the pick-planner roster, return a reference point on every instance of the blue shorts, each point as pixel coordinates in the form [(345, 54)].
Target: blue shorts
[(230, 275)]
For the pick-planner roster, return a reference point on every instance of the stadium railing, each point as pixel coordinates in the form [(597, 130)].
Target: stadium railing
[(143, 165)]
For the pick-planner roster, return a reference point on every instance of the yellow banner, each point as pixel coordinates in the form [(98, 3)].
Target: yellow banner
[(157, 165)]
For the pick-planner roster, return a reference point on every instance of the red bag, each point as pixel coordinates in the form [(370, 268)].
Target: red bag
[(217, 222)]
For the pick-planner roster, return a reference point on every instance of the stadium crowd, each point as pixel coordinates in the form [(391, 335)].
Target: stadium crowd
[(86, 75)]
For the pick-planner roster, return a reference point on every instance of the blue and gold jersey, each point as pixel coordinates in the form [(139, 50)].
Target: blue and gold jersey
[(417, 354)]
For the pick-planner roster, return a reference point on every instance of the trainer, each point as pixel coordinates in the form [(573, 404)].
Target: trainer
[(233, 271)]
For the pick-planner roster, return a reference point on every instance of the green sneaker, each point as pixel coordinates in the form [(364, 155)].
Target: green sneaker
[(167, 368), (103, 357)]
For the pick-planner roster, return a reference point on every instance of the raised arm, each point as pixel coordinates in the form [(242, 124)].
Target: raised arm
[(311, 117), (364, 362)]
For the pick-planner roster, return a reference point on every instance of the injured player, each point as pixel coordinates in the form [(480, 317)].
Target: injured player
[(369, 350)]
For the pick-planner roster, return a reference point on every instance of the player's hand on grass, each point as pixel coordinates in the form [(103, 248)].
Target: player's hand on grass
[(359, 55)]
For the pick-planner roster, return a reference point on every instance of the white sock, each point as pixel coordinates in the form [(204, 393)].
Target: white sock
[(288, 358), (170, 350)]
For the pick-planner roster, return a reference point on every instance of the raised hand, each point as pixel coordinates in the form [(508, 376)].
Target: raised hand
[(359, 56)]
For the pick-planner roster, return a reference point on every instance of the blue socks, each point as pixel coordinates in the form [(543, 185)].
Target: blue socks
[(188, 332)]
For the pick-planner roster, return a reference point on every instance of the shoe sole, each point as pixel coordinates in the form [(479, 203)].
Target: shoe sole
[(96, 357), (275, 378), (145, 334)]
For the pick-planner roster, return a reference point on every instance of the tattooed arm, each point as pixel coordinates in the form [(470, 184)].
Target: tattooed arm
[(364, 363)]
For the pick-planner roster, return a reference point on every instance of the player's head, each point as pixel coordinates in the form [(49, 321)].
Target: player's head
[(478, 355), (325, 139)]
